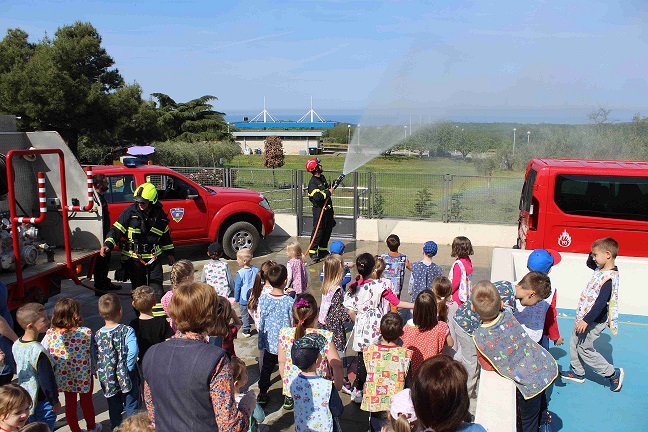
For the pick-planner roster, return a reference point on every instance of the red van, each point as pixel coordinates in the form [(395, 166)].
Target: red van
[(566, 204)]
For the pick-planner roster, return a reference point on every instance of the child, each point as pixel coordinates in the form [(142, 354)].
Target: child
[(424, 334), (304, 314), (36, 427), (442, 380), (261, 287), (531, 289), (387, 365), (333, 315), (137, 423), (545, 327), (244, 281), (395, 264), (297, 275), (116, 351), (149, 329), (181, 271), (70, 346), (446, 309), (377, 275), (216, 273), (34, 366), (15, 404), (424, 271), (317, 402), (337, 247), (402, 417), (461, 270), (367, 301), (240, 379), (596, 310), (526, 363), (275, 310), (227, 326)]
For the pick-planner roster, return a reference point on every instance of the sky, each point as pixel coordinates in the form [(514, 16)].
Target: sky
[(435, 59)]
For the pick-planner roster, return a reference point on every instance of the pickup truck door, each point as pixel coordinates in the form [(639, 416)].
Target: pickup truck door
[(185, 205)]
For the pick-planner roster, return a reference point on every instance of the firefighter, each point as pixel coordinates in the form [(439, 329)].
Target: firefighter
[(319, 194), (145, 227)]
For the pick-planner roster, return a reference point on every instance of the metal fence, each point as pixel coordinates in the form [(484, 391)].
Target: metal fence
[(445, 198)]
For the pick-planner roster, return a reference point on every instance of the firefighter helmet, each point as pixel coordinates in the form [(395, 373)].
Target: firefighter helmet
[(312, 164), (146, 192)]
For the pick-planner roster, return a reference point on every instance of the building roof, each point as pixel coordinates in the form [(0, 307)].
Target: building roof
[(280, 133)]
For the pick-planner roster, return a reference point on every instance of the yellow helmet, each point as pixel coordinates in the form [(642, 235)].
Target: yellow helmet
[(146, 192)]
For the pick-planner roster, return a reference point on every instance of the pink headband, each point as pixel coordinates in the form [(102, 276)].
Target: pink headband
[(401, 404)]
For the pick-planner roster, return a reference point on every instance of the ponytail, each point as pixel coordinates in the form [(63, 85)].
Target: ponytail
[(364, 265), (259, 281), (442, 289), (304, 313)]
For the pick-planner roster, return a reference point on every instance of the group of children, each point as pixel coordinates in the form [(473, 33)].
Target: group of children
[(402, 365)]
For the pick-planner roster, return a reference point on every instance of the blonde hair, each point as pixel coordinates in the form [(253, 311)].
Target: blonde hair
[(333, 272), (143, 298), (109, 306), (401, 424), (245, 255), (379, 268), (137, 423), (13, 397), (607, 244), (29, 314), (182, 271), (486, 300), (294, 250), (195, 308)]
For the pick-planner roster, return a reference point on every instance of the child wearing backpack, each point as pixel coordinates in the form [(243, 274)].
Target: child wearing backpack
[(461, 270), (395, 264)]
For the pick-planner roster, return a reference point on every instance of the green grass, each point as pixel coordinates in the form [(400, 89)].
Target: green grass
[(394, 163)]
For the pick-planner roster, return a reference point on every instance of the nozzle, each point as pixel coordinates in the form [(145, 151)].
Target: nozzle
[(338, 180)]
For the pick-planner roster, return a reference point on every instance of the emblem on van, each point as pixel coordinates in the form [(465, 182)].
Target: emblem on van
[(177, 213), (564, 240)]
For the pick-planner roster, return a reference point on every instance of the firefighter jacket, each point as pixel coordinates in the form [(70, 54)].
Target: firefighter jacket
[(318, 192), (146, 233)]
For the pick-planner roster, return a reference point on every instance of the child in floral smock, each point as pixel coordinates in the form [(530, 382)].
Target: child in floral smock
[(70, 346)]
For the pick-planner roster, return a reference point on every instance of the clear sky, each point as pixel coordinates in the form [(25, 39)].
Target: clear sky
[(422, 57)]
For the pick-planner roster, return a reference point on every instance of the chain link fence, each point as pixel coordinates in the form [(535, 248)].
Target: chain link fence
[(445, 198)]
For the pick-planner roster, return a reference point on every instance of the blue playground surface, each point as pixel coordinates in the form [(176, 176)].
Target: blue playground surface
[(592, 406)]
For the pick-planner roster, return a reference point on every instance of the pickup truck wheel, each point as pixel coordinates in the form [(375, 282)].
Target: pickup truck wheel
[(240, 235)]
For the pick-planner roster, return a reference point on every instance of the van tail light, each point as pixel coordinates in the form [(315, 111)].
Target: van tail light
[(533, 216)]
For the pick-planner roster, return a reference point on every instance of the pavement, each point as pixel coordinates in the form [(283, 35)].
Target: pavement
[(273, 248)]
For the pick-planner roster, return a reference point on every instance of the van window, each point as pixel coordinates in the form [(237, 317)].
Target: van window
[(527, 191), (603, 196)]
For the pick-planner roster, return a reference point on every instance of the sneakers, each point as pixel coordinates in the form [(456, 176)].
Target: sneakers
[(545, 422), (245, 334), (288, 404), (356, 395), (346, 387), (571, 376), (97, 428), (616, 380), (262, 398)]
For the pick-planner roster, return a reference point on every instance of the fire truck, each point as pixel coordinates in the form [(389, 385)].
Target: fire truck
[(50, 226)]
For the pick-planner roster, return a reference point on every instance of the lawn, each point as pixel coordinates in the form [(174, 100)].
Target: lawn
[(393, 163)]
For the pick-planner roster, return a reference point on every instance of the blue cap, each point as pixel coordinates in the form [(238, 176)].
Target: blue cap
[(337, 247), (430, 248), (541, 260)]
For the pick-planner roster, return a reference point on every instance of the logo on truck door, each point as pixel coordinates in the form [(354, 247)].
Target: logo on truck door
[(177, 213), (564, 240)]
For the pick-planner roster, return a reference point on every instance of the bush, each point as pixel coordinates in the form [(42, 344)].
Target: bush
[(423, 205)]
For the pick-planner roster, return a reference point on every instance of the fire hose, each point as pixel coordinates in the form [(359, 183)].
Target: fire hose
[(335, 185)]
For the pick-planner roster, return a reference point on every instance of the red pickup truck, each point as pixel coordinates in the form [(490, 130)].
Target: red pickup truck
[(237, 218)]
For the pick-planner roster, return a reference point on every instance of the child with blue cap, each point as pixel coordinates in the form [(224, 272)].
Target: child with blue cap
[(424, 271)]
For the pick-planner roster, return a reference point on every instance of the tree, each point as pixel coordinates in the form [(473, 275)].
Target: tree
[(64, 84), (190, 121), (273, 156)]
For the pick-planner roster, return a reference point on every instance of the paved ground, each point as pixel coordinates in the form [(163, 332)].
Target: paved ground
[(274, 248)]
